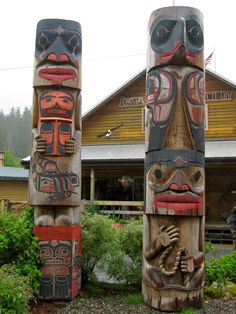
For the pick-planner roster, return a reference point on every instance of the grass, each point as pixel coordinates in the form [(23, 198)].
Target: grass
[(188, 311), (231, 288), (135, 298), (213, 292)]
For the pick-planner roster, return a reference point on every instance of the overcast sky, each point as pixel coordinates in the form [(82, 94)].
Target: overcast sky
[(114, 37)]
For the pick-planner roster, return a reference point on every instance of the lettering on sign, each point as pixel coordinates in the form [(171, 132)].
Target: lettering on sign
[(219, 95), (132, 101)]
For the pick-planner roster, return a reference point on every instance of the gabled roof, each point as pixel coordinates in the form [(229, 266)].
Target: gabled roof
[(12, 173), (113, 94), (221, 78), (139, 75)]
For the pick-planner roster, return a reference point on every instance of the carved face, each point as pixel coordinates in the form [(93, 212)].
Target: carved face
[(55, 103), (56, 269), (58, 53), (176, 37), (177, 186)]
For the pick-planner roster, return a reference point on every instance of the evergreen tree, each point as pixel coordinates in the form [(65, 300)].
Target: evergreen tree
[(15, 132)]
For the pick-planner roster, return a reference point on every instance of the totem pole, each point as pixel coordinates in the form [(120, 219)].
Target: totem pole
[(173, 258), (55, 169)]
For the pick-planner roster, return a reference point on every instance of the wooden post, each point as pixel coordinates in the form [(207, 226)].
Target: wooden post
[(92, 185), (2, 209), (55, 170), (173, 258)]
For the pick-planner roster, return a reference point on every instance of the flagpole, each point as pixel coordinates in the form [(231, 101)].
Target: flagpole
[(215, 57)]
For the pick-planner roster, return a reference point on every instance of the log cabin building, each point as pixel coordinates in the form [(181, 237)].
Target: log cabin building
[(113, 140)]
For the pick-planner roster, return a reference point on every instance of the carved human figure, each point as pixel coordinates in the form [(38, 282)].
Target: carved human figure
[(55, 173), (173, 259), (56, 123)]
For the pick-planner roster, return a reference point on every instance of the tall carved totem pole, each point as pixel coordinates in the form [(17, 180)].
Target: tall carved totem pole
[(173, 258), (55, 171)]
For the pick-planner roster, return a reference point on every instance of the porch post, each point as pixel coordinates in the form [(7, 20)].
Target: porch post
[(92, 184)]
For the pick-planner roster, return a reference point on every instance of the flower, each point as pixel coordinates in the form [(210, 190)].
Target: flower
[(126, 180)]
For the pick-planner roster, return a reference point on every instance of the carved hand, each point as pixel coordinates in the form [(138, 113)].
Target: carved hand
[(168, 235), (40, 145), (70, 146), (186, 264), (165, 237)]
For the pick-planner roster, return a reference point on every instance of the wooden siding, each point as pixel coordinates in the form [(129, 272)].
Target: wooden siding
[(109, 115), (221, 114), (14, 190)]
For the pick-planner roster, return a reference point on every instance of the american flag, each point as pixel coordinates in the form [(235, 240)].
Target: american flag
[(208, 59)]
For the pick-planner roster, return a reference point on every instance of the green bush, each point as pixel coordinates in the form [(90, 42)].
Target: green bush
[(99, 243), (208, 247), (128, 265), (18, 245), (15, 291), (220, 270), (118, 252)]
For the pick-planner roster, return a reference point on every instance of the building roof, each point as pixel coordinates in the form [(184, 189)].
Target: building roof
[(12, 173), (213, 150), (121, 152)]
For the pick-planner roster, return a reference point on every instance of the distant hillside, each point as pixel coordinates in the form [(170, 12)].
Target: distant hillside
[(15, 132)]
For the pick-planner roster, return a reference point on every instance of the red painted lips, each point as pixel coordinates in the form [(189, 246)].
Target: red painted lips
[(177, 202), (61, 74)]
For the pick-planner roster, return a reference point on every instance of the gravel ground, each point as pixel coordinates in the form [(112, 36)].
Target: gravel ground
[(115, 304)]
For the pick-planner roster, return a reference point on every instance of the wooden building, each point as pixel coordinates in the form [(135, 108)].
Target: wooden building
[(113, 146), (13, 187)]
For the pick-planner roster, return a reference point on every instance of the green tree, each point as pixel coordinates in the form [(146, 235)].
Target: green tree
[(10, 160)]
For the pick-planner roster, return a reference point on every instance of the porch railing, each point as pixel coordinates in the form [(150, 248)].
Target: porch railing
[(124, 211)]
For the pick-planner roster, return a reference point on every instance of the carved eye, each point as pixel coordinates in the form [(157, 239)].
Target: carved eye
[(194, 32), (158, 174), (162, 32), (43, 41), (197, 175), (72, 41)]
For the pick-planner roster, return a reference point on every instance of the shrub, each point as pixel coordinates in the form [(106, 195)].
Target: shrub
[(128, 266), (221, 270), (99, 244), (208, 247), (15, 291), (18, 245)]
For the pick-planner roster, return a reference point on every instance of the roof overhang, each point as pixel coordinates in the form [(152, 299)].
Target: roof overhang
[(215, 151)]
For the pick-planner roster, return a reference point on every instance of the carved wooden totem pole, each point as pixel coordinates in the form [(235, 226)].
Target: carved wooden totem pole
[(173, 258), (55, 174)]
